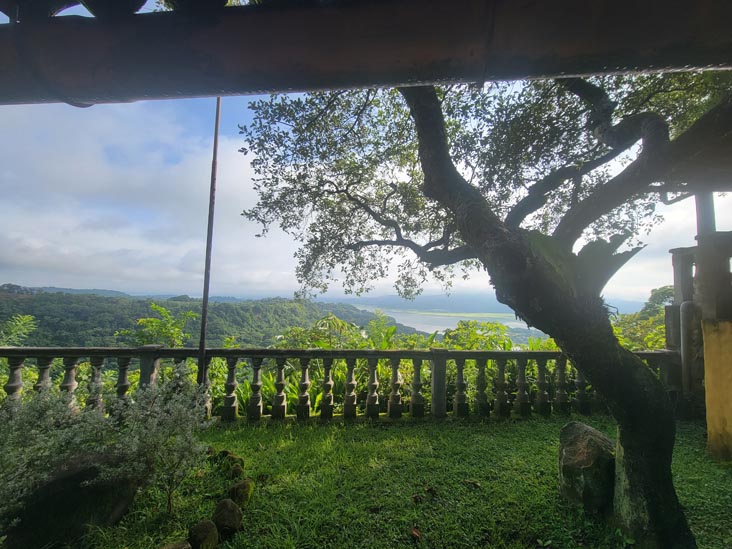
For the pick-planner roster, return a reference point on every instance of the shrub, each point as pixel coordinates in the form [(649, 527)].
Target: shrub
[(149, 439)]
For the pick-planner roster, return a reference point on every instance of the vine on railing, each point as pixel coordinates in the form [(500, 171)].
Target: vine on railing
[(332, 382)]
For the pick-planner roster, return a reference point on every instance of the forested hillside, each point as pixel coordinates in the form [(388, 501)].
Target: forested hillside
[(92, 320)]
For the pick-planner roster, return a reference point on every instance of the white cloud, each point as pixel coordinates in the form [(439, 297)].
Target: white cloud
[(116, 197)]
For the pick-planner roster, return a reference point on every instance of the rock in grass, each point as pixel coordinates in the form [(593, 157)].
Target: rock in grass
[(241, 492), (226, 460), (236, 471), (586, 467), (203, 535), (227, 516)]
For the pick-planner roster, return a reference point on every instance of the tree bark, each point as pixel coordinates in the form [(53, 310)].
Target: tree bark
[(544, 288), (646, 504)]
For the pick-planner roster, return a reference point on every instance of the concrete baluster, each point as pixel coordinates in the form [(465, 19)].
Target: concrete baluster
[(522, 396), (416, 404), (326, 402), (582, 400), (303, 401), (44, 374), (460, 405), (14, 386), (501, 406), (279, 406), (123, 382), (543, 406), (395, 396), (481, 385), (230, 408), (350, 401), (254, 410), (372, 399), (95, 401), (561, 399)]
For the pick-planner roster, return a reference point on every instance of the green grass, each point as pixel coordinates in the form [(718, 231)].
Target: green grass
[(458, 483)]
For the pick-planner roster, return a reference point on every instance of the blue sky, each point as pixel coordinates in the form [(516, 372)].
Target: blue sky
[(115, 196)]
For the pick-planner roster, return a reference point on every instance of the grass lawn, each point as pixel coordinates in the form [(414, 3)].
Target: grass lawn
[(451, 483)]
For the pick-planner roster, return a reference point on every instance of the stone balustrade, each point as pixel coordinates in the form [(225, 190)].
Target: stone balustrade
[(434, 382)]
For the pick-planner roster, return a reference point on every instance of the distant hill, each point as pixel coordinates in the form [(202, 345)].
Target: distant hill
[(86, 319), (73, 291)]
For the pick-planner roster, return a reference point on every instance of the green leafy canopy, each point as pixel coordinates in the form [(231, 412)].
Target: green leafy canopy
[(340, 171)]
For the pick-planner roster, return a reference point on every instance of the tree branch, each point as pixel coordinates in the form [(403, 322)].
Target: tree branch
[(704, 147), (431, 257), (539, 191), (649, 127)]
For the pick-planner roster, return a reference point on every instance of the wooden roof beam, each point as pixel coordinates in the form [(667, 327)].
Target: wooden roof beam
[(358, 44)]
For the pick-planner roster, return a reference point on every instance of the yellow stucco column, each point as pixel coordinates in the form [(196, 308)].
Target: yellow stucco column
[(718, 386)]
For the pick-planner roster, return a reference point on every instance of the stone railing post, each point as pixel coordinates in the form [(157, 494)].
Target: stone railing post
[(543, 406), (279, 406), (94, 400), (481, 385), (254, 410), (439, 382), (372, 399), (460, 405), (44, 374), (230, 409), (582, 400), (149, 365), (123, 382), (561, 399), (522, 395), (501, 407), (416, 403), (303, 400), (326, 401), (14, 385), (350, 401), (395, 396), (69, 383)]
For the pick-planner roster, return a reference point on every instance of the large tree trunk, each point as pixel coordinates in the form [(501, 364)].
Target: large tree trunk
[(645, 499), (536, 288), (547, 288)]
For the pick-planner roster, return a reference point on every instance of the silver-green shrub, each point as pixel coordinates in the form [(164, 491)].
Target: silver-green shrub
[(150, 439)]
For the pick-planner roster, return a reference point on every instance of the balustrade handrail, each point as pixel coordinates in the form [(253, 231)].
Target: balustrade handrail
[(521, 380), (225, 352)]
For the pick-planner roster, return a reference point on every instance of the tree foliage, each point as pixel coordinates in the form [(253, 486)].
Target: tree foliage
[(166, 329), (16, 329), (340, 171), (646, 329)]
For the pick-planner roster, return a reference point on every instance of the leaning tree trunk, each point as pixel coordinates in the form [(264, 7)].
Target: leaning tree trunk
[(546, 291), (645, 500), (546, 287)]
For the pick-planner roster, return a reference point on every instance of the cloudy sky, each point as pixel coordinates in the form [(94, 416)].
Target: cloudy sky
[(115, 197)]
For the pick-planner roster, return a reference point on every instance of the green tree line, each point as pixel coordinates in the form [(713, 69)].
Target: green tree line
[(91, 320)]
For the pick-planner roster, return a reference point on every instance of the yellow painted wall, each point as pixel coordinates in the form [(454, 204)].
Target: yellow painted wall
[(718, 386)]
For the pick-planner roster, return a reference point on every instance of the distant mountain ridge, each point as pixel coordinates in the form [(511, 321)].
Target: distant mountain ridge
[(474, 302), (91, 320)]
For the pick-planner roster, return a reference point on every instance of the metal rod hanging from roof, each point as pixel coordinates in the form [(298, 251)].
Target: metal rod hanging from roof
[(202, 366)]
